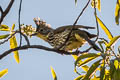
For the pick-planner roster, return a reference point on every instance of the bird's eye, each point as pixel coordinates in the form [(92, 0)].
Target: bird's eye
[(41, 30)]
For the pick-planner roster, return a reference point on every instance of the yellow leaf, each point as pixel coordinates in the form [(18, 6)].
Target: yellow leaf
[(116, 64), (95, 78), (79, 77), (103, 41), (3, 72), (87, 55), (85, 68), (13, 44), (86, 61), (106, 30), (97, 4), (13, 26), (4, 28), (53, 73), (75, 70), (117, 12), (75, 57), (16, 56), (91, 70), (112, 42)]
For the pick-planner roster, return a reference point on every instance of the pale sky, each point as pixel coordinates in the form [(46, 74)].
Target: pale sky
[(35, 64)]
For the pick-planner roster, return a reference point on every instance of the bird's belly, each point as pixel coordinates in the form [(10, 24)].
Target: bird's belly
[(74, 45)]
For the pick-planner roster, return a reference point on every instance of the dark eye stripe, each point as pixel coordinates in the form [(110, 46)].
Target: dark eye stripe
[(42, 30)]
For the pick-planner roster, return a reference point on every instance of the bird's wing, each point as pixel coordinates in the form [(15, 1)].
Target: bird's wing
[(82, 26), (86, 35), (63, 28)]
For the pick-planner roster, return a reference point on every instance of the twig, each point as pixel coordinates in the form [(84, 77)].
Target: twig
[(74, 25), (1, 10), (26, 38), (37, 47), (95, 13), (7, 38), (113, 53), (86, 50), (4, 13), (19, 22)]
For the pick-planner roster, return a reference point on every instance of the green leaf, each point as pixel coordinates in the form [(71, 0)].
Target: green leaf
[(4, 28), (75, 70), (4, 36), (103, 41), (53, 73), (13, 44), (3, 72), (112, 68), (112, 42), (87, 60), (117, 12), (102, 72), (92, 69), (87, 55), (116, 75), (106, 30)]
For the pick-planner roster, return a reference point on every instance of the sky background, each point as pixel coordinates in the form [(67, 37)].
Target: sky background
[(35, 64)]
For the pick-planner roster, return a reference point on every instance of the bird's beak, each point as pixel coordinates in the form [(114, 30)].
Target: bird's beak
[(33, 34)]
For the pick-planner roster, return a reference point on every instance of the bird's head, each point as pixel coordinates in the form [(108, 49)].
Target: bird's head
[(42, 30)]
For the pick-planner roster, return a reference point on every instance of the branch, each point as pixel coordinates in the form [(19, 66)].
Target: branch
[(26, 38), (37, 47), (8, 38), (4, 13), (1, 9), (95, 14), (19, 21), (75, 24)]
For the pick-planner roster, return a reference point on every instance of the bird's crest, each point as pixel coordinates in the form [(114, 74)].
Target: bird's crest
[(40, 23)]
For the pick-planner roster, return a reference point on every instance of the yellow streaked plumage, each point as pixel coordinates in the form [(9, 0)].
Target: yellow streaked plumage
[(57, 37)]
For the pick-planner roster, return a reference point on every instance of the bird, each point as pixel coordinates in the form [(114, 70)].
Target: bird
[(57, 37)]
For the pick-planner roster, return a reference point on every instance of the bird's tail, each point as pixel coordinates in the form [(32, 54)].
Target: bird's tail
[(92, 43)]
